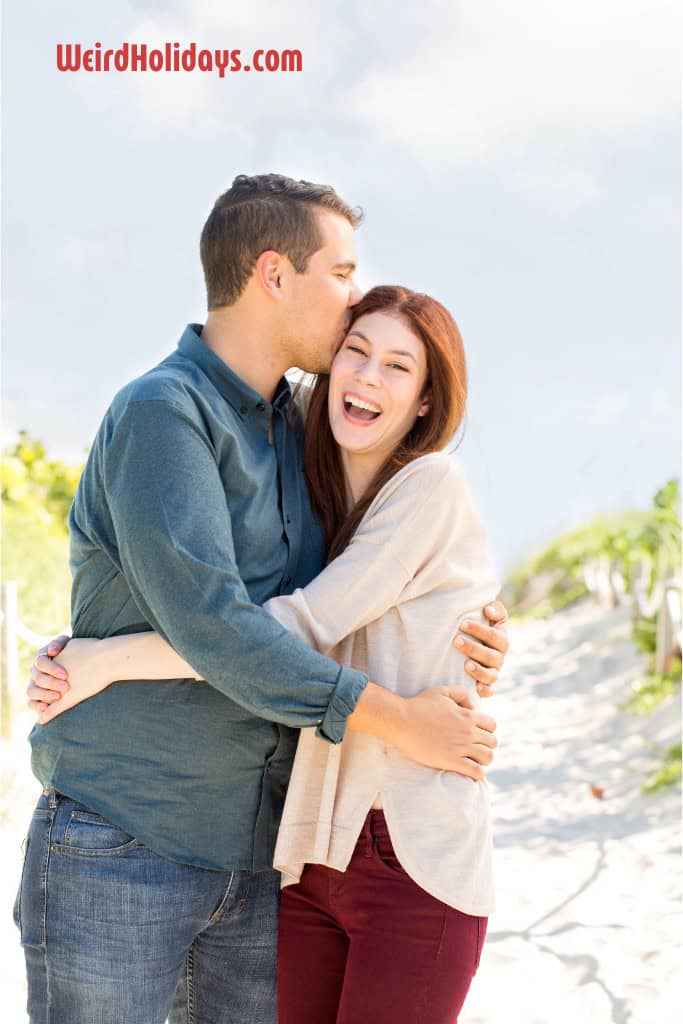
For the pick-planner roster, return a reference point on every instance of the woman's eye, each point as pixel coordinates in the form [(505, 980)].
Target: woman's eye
[(354, 348), (397, 366)]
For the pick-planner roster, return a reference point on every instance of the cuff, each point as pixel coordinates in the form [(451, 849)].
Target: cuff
[(348, 688)]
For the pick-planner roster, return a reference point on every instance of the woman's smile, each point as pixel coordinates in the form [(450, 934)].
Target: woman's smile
[(359, 410)]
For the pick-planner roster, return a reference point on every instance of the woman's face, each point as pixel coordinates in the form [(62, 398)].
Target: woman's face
[(377, 385)]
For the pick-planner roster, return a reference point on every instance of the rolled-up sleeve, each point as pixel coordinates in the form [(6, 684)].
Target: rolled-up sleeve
[(174, 536)]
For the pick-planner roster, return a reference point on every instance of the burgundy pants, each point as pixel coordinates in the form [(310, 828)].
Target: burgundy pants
[(369, 945)]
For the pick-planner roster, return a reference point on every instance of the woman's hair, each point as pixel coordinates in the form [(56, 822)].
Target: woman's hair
[(446, 389)]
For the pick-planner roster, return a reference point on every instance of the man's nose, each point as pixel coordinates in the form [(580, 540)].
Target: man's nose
[(355, 294)]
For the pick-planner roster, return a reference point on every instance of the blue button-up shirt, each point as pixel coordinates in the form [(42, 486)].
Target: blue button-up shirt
[(187, 517)]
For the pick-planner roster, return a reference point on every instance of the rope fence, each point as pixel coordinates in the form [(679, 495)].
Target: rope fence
[(661, 600)]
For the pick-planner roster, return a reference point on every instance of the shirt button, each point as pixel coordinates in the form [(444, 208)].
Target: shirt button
[(288, 580), (289, 519), (261, 407), (243, 409)]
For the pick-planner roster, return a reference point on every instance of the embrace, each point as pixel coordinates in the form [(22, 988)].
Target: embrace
[(262, 754)]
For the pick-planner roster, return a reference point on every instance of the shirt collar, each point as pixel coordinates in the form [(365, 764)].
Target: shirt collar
[(243, 398)]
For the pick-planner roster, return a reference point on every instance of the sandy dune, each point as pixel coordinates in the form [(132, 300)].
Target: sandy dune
[(589, 890)]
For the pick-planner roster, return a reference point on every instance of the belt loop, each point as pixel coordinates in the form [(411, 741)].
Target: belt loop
[(368, 836), (52, 796)]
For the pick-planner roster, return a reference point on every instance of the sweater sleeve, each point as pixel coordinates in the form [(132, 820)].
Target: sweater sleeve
[(425, 510)]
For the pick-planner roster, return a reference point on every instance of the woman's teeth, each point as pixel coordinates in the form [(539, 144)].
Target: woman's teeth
[(361, 409)]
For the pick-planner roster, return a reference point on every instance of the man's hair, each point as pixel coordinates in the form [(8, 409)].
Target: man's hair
[(258, 213)]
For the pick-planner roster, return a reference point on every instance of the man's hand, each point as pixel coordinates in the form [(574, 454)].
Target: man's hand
[(486, 653), (444, 731), (438, 728)]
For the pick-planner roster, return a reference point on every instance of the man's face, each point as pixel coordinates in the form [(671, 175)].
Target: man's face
[(320, 299)]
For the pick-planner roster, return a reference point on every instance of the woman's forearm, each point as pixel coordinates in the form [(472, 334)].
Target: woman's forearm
[(141, 656)]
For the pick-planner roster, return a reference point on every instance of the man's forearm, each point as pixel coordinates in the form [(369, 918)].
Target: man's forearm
[(379, 713)]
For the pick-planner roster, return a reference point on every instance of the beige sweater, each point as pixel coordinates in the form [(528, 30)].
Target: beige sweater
[(389, 605)]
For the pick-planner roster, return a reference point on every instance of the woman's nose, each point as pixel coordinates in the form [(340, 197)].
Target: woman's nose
[(369, 373)]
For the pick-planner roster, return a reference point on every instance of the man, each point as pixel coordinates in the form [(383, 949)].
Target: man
[(148, 867)]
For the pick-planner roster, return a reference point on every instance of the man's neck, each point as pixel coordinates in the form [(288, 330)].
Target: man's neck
[(247, 347)]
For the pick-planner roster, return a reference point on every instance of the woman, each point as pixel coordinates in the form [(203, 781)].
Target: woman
[(386, 864)]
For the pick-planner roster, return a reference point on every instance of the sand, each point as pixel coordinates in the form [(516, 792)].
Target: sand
[(588, 925)]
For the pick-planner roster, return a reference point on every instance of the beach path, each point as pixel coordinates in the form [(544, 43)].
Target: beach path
[(588, 923)]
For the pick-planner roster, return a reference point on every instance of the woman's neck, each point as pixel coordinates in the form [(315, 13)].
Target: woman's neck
[(359, 471)]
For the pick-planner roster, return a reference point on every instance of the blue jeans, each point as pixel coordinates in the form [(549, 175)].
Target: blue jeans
[(115, 934)]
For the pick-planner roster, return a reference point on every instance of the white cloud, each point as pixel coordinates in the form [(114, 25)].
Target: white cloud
[(662, 416), (541, 89), (544, 94), (609, 409), (94, 255)]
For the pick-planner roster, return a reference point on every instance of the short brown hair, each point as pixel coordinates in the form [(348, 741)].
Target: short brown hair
[(258, 213)]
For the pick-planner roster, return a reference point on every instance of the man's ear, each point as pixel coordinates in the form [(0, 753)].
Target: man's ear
[(269, 271)]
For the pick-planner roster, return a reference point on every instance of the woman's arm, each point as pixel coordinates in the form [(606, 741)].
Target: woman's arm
[(427, 514), (425, 508), (90, 665)]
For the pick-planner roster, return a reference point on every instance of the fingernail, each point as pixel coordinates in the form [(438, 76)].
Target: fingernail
[(469, 665), (466, 624), (459, 642), (490, 608)]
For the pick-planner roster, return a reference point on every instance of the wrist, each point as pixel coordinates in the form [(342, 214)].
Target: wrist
[(380, 713), (102, 662)]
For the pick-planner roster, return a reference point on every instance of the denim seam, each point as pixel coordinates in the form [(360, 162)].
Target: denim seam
[(43, 880), (189, 977), (218, 912), (78, 851), (479, 947), (239, 906)]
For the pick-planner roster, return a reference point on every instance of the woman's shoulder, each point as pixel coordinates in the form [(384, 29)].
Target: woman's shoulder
[(434, 469), (420, 482)]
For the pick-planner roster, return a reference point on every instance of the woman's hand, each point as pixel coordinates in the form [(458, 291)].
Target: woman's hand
[(56, 686), (485, 647)]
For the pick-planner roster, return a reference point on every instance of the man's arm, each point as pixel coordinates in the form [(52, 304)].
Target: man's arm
[(172, 522)]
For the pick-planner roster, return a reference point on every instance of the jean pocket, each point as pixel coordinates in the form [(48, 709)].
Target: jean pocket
[(30, 904), (90, 835), (16, 911), (386, 854)]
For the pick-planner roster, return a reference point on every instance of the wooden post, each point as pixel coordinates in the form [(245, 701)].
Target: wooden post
[(668, 626), (9, 656)]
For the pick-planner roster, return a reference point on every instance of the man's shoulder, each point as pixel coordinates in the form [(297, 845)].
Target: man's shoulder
[(171, 380), (176, 382)]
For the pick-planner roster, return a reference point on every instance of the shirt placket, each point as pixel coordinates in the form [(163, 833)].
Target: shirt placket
[(287, 463)]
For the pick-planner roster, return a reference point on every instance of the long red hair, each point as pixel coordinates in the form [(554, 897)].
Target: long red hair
[(446, 387)]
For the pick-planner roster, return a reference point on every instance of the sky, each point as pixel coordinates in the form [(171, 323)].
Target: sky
[(520, 162)]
